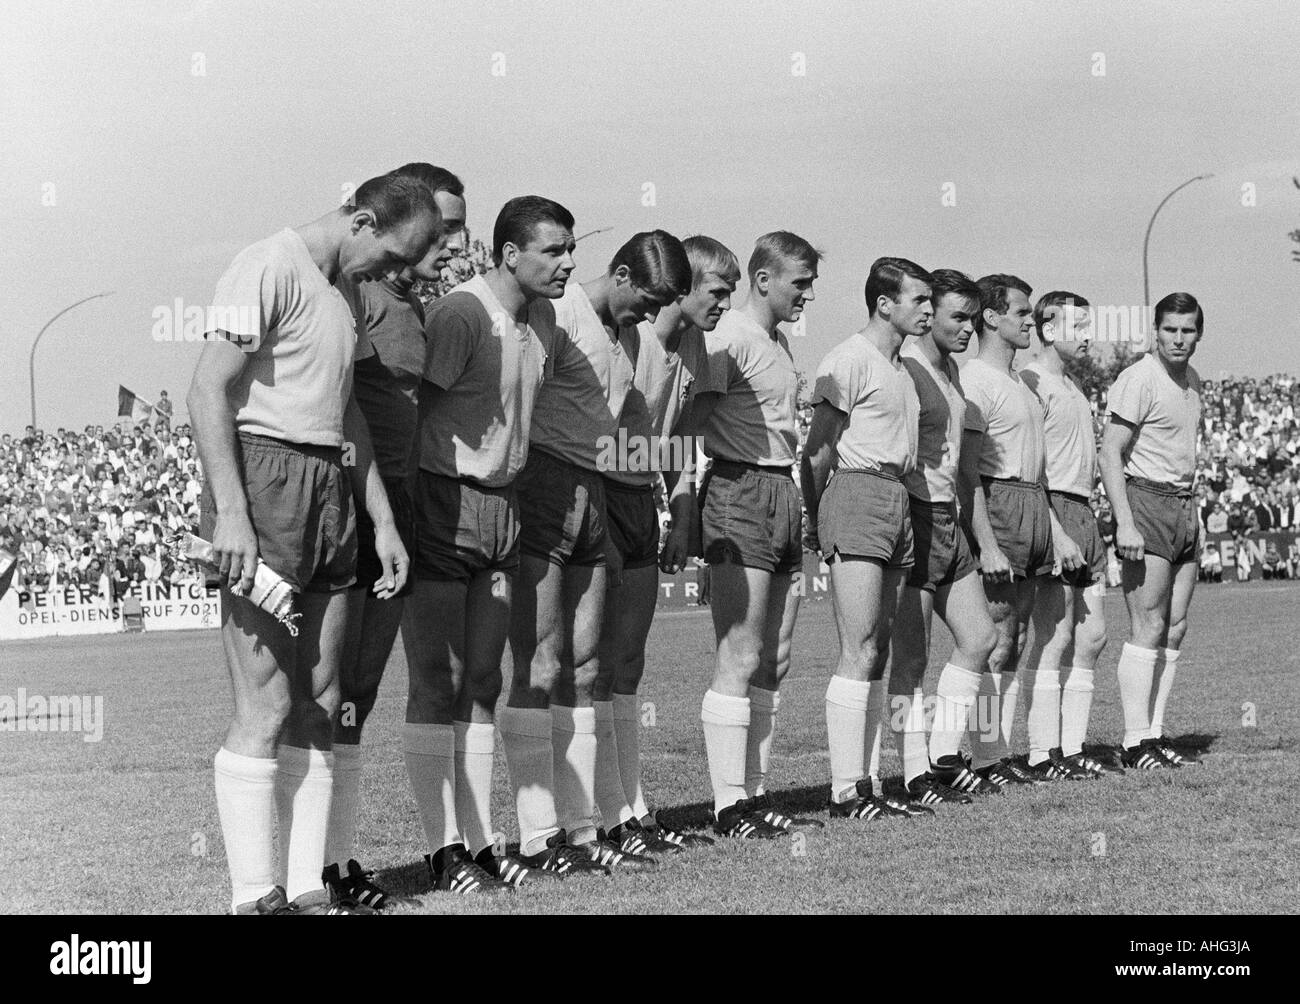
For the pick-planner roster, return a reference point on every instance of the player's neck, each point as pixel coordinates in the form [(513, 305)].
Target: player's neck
[(1049, 360), (756, 308), (324, 239), (1177, 370), (997, 352), (598, 292), (884, 336), (507, 291), (930, 349), (670, 326)]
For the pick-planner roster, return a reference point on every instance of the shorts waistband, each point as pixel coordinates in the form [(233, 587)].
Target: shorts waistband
[(332, 454), (557, 459), (935, 508), (470, 482), (1032, 486), (887, 471), (1070, 496), (1159, 487), (764, 469), (626, 488)]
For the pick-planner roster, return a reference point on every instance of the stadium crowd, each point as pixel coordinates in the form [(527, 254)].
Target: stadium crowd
[(92, 508)]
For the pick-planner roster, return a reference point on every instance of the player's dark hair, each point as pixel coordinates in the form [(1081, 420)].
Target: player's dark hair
[(709, 256), (393, 200), (1052, 302), (1180, 303), (657, 262), (772, 251), (993, 294), (436, 179), (944, 281), (519, 218), (886, 279)]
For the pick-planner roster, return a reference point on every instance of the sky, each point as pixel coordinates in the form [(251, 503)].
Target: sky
[(145, 143)]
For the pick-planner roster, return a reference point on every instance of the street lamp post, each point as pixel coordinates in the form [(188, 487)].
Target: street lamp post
[(1146, 241), (31, 361)]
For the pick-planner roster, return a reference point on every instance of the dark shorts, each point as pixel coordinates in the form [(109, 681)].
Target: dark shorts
[(462, 528), (561, 511), (1074, 513), (864, 514), (943, 554), (633, 523), (369, 569), (1166, 517), (751, 516), (1022, 525), (300, 505)]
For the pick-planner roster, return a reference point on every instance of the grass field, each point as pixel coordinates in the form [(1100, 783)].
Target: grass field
[(129, 824)]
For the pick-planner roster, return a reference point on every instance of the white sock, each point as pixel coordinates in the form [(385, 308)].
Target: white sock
[(627, 733), (985, 721), (573, 737), (526, 738), (341, 839), (907, 722), (955, 696), (846, 734), (246, 807), (726, 737), (1010, 691), (430, 752), (1136, 671), (475, 746), (304, 788), (1076, 705), (611, 799), (758, 748), (1044, 713), (875, 732), (1165, 668)]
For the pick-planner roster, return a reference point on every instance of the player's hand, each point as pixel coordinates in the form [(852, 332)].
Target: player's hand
[(676, 552), (234, 544), (393, 559), (702, 577), (994, 565), (1129, 543), (1068, 556), (811, 542)]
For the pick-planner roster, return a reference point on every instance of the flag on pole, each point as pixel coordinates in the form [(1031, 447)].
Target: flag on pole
[(132, 406), (8, 565)]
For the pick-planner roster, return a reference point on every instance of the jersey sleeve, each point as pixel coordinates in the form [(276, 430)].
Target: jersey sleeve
[(721, 364), (1130, 397), (979, 402), (452, 332), (249, 299), (839, 382)]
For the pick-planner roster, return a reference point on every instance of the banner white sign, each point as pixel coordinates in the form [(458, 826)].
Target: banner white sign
[(81, 610)]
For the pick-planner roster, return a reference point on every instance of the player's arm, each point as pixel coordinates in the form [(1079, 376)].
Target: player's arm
[(680, 486), (974, 507), (1115, 439), (368, 486), (824, 433), (213, 420)]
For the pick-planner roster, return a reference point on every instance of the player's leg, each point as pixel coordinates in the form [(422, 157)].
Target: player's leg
[(1009, 605), (963, 605), (1148, 587), (304, 782), (1184, 584), (739, 603), (260, 655), (1053, 643), (372, 626), (1076, 692), (855, 696), (487, 607)]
